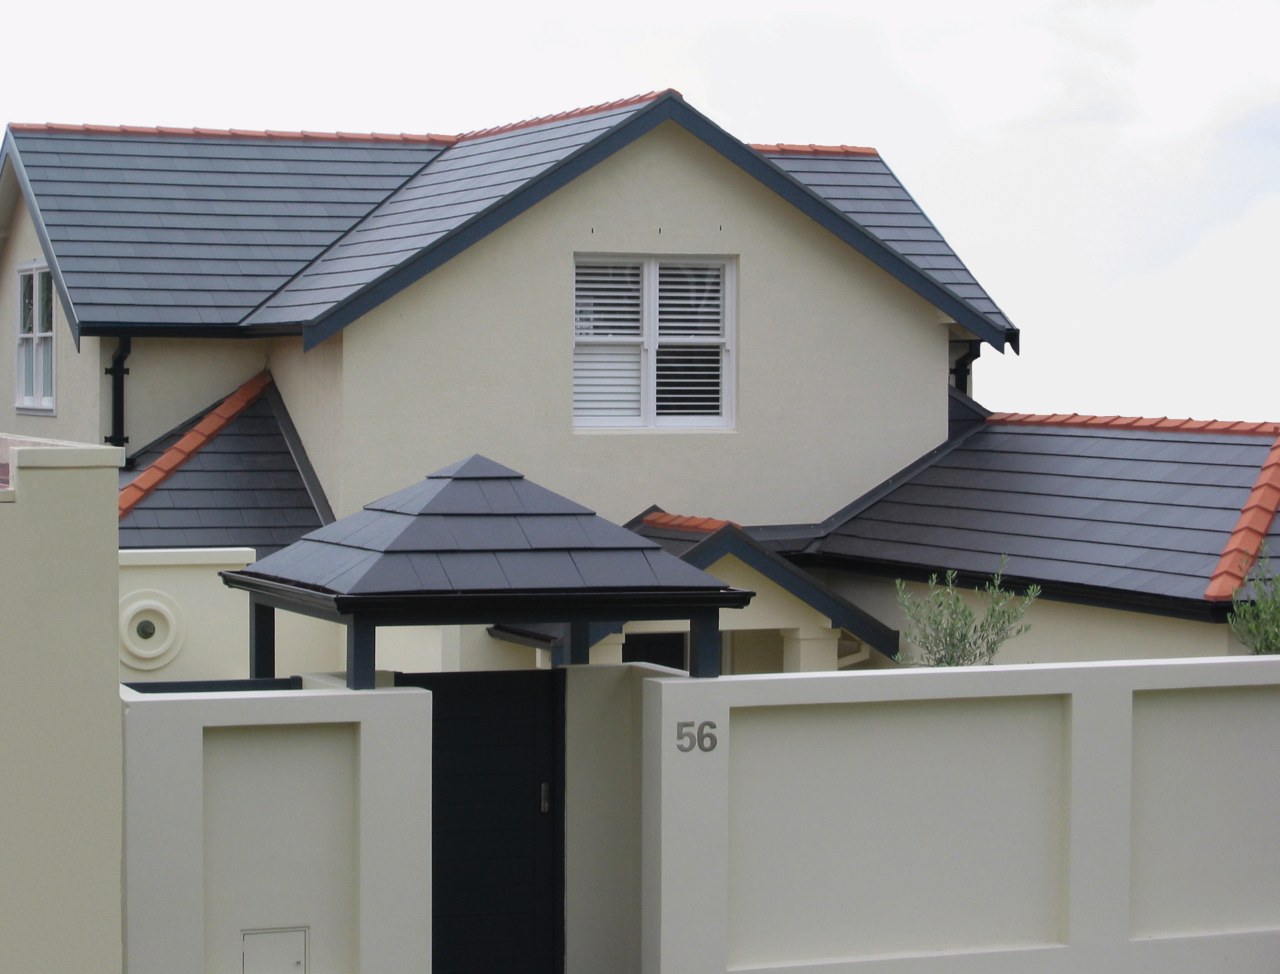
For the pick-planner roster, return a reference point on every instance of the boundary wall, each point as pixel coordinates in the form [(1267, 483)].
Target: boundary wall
[(1101, 817)]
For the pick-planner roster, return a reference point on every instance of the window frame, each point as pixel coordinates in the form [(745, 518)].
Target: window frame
[(648, 417), (43, 397)]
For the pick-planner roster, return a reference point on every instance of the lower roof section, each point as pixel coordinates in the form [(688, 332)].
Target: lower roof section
[(1163, 515)]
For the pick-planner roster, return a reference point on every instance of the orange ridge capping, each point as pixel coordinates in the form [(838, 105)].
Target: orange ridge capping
[(1162, 423), (680, 522), (217, 419), (791, 149), (572, 113), (1245, 543), (231, 133)]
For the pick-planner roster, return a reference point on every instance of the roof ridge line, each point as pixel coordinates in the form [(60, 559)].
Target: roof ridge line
[(1245, 542), (812, 149), (193, 441), (1135, 422), (303, 135), (562, 116)]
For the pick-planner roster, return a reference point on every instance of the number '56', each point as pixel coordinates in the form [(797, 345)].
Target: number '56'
[(704, 739)]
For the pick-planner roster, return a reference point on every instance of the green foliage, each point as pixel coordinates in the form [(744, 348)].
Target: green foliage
[(1256, 620), (947, 630)]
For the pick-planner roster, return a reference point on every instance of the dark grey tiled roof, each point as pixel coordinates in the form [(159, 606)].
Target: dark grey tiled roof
[(197, 230), (1137, 513), (464, 181), (242, 489), (477, 526), (197, 234), (865, 189)]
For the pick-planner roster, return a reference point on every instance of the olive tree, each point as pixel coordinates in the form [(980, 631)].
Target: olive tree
[(949, 632)]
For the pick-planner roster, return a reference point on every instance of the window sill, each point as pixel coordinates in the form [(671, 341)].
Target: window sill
[(650, 430), (35, 410)]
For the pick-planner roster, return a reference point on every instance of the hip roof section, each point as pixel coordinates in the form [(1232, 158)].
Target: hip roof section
[(1132, 510)]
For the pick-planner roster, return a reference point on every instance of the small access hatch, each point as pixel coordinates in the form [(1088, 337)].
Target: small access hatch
[(279, 951)]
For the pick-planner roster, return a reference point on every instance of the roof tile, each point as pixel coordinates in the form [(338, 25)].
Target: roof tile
[(191, 443)]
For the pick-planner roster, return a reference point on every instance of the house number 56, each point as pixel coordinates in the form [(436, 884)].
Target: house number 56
[(704, 738)]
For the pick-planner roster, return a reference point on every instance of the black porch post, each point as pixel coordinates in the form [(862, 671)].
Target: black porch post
[(361, 652), (262, 641), (579, 643), (704, 643)]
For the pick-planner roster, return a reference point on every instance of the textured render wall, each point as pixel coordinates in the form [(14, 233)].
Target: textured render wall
[(1103, 817), (841, 370), (201, 625), (311, 385), (171, 380), (307, 808), (78, 380), (60, 763), (602, 817), (1062, 632)]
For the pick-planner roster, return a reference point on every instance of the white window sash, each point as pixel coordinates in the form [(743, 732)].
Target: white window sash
[(34, 359), (697, 335)]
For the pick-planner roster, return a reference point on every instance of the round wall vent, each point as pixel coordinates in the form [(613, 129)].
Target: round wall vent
[(151, 629)]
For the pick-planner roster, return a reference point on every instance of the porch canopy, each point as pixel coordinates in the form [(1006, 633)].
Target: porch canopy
[(477, 543)]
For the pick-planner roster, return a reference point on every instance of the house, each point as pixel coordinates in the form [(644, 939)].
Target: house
[(279, 327), (623, 300)]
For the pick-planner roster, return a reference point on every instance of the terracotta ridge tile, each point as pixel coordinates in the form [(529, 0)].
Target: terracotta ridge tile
[(194, 440), (791, 149), (562, 116), (1245, 542), (681, 522), (1135, 422), (167, 130)]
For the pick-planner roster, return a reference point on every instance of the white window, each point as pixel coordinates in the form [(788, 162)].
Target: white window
[(35, 339), (652, 340)]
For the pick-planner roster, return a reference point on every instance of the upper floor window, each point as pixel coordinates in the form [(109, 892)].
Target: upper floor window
[(35, 339), (652, 342)]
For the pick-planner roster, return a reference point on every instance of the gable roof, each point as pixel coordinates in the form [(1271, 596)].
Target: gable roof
[(703, 541), (235, 476), (478, 537), (1147, 513), (191, 232)]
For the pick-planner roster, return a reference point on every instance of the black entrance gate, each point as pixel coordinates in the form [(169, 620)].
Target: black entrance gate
[(498, 821)]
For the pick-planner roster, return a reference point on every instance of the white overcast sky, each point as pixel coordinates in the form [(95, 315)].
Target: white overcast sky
[(1110, 171)]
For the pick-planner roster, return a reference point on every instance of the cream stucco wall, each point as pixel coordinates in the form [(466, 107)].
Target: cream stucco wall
[(311, 385), (840, 369), (201, 626), (170, 380), (79, 385), (1100, 817), (1062, 632), (60, 761)]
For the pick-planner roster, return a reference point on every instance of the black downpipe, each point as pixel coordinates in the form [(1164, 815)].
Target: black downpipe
[(960, 371), (118, 371)]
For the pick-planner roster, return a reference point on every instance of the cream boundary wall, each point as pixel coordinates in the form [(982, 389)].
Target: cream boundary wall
[(59, 718), (603, 733), (1061, 632), (322, 800), (477, 356), (80, 390), (1062, 818), (201, 625)]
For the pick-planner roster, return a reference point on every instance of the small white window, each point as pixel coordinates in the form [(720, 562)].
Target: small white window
[(652, 342), (35, 340)]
